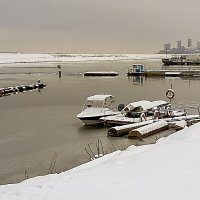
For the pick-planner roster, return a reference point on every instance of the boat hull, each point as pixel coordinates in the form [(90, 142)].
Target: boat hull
[(93, 120), (88, 121)]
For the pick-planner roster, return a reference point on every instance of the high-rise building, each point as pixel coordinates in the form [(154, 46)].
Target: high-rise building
[(198, 45), (189, 42), (189, 49), (167, 46), (179, 44)]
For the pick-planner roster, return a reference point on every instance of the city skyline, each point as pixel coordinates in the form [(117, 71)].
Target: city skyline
[(189, 48), (86, 26)]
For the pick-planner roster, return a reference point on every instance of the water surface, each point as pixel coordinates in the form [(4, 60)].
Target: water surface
[(36, 125)]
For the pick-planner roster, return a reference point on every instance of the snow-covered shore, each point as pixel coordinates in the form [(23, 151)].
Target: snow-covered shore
[(169, 169), (6, 58)]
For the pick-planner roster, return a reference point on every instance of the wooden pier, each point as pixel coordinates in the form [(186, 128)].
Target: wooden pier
[(173, 71), (100, 73), (170, 73)]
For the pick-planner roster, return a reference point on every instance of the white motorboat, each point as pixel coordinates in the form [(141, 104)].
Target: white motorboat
[(95, 107), (142, 111)]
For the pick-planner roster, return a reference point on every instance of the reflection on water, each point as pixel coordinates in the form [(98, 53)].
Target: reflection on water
[(36, 125), (137, 80)]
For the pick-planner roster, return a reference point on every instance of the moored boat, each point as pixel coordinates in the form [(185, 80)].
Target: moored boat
[(95, 107), (193, 59), (142, 111)]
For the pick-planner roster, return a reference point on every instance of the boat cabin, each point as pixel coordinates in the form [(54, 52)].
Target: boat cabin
[(99, 101), (136, 70), (147, 108), (95, 107)]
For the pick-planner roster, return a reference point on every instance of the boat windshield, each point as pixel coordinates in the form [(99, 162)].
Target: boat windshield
[(108, 103)]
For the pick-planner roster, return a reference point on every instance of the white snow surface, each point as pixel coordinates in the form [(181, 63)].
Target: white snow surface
[(151, 127), (95, 112), (127, 126), (6, 58), (169, 169), (101, 97)]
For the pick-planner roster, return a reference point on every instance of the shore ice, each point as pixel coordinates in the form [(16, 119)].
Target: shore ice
[(166, 170), (7, 58)]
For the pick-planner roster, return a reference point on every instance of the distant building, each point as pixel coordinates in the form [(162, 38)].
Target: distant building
[(179, 44), (189, 42), (198, 45), (167, 46), (181, 49)]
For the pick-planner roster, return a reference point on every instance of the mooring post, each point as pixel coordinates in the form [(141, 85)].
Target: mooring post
[(59, 73)]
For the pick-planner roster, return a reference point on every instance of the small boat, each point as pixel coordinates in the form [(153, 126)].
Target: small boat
[(2, 92), (21, 88), (174, 60), (95, 107), (142, 111), (29, 87), (144, 108), (13, 89), (182, 60), (40, 85), (8, 90)]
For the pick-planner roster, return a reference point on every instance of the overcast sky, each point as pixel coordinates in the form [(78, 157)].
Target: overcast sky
[(96, 26)]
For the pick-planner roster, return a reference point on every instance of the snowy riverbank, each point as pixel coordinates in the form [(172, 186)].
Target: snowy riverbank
[(6, 58), (166, 170)]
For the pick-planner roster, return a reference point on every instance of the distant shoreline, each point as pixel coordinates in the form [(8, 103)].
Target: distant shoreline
[(20, 58)]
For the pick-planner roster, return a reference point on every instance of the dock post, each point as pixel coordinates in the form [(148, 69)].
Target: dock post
[(59, 73)]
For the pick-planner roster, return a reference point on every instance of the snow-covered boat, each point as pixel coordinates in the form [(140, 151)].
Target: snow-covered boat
[(142, 111), (95, 107)]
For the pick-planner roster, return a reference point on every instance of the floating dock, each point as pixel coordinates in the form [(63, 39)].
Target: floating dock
[(118, 131), (169, 73), (173, 71), (21, 88), (147, 130), (99, 73)]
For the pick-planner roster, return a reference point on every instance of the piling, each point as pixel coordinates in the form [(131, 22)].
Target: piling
[(59, 73)]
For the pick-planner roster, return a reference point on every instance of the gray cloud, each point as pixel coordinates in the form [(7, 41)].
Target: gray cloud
[(91, 26)]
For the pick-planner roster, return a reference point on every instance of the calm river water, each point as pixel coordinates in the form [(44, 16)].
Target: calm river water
[(36, 126)]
